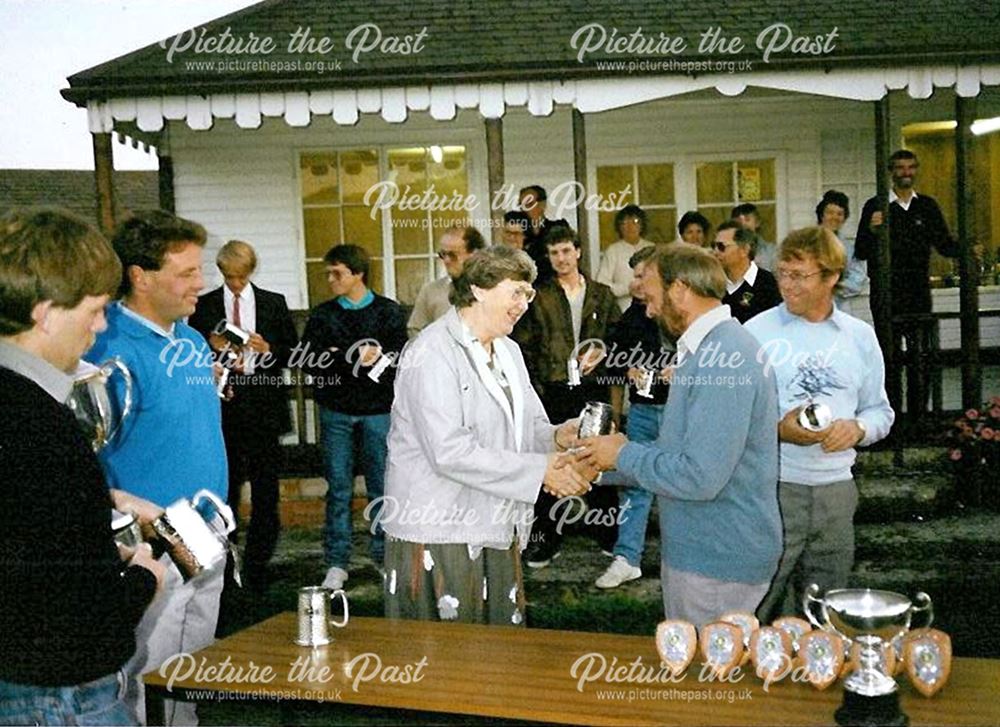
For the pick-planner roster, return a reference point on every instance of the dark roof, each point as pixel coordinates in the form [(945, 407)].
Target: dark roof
[(75, 190), (484, 40)]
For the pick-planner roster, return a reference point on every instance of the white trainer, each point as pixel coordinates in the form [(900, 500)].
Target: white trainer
[(617, 573), (335, 578)]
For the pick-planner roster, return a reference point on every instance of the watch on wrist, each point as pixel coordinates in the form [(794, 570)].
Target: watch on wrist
[(864, 431)]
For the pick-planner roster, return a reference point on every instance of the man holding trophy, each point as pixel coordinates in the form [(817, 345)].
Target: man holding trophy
[(714, 462), (255, 325), (69, 600), (172, 445), (831, 388)]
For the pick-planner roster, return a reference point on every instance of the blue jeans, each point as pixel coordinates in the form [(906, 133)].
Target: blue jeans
[(99, 702), (643, 426), (337, 438)]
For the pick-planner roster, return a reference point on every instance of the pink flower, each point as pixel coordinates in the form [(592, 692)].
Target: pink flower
[(955, 455), (971, 414), (995, 412), (987, 434)]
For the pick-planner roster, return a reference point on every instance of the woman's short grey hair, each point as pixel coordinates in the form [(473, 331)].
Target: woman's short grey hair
[(488, 268), (694, 266)]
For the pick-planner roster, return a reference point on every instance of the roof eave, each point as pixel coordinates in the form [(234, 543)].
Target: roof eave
[(82, 94)]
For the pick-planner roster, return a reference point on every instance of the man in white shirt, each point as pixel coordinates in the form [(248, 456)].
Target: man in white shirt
[(255, 412)]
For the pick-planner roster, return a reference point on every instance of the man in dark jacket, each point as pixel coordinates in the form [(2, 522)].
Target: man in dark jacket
[(749, 289), (916, 226), (255, 408), (69, 605), (350, 347), (562, 338)]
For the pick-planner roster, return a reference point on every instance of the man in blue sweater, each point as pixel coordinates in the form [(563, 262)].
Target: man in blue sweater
[(172, 445), (818, 354), (714, 463)]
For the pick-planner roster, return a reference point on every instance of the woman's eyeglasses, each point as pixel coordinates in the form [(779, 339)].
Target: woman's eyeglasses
[(526, 293)]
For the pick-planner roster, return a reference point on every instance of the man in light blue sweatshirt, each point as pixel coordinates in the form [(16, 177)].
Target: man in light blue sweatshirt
[(714, 463), (822, 355)]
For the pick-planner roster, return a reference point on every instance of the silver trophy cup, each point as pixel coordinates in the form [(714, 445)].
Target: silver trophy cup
[(314, 615), (197, 544), (595, 419), (90, 402), (875, 620)]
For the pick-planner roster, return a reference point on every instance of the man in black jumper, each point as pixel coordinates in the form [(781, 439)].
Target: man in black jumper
[(69, 599), (749, 289), (916, 226), (349, 347)]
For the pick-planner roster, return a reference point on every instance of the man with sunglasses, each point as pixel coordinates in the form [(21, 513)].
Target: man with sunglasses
[(749, 289), (818, 354), (455, 247)]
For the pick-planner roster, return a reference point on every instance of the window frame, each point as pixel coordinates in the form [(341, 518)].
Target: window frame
[(475, 151)]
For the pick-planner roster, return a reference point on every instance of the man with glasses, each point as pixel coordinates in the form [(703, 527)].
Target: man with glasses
[(533, 201), (515, 229), (456, 245), (351, 343), (820, 355), (749, 289)]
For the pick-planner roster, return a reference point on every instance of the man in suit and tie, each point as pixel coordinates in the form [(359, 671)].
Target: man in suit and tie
[(255, 408)]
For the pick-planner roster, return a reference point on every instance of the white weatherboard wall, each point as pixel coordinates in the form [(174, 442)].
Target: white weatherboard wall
[(685, 131), (539, 150), (244, 184)]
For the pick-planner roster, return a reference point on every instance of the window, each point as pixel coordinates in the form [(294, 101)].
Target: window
[(723, 185), (397, 225), (415, 172), (333, 187), (652, 188)]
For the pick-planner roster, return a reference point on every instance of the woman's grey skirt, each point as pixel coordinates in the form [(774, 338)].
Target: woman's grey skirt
[(440, 582)]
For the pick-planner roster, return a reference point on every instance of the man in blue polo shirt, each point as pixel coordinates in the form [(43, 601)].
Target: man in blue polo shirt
[(822, 355), (172, 445)]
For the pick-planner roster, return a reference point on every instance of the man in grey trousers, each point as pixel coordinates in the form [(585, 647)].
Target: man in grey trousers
[(714, 464)]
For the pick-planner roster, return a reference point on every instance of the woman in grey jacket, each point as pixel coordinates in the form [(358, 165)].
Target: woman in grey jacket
[(469, 448)]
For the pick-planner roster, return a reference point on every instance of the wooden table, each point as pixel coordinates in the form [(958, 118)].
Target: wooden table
[(528, 674)]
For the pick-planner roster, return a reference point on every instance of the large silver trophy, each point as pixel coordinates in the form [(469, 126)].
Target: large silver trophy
[(876, 621), (91, 402)]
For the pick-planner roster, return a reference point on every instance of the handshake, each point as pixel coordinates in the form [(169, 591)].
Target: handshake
[(572, 471)]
